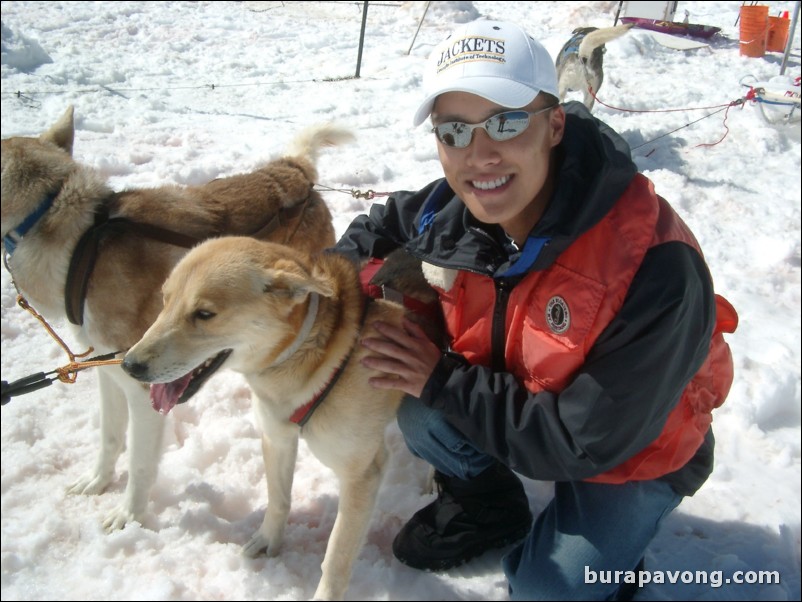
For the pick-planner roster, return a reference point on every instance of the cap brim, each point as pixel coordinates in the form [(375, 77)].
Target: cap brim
[(506, 93)]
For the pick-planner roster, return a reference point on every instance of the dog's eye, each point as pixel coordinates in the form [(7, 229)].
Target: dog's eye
[(202, 314)]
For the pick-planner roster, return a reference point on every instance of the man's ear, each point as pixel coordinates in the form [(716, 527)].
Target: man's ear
[(556, 125)]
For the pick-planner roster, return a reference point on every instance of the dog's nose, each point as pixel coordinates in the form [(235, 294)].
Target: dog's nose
[(137, 370)]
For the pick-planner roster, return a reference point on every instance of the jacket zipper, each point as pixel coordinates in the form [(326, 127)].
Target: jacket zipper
[(498, 333)]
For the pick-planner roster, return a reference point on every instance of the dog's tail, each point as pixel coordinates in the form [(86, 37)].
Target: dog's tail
[(311, 140), (600, 37)]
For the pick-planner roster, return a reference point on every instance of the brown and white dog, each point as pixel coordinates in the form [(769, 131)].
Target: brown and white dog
[(291, 325), (78, 250), (580, 62)]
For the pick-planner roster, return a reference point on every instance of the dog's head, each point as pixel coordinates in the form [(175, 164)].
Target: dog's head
[(33, 169), (232, 299)]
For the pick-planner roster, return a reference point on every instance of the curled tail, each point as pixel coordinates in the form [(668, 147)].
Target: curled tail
[(310, 141), (304, 150), (599, 37)]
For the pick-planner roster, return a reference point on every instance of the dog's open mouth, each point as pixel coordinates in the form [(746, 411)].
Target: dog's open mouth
[(164, 396)]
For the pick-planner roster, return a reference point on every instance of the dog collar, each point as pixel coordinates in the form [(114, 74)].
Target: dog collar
[(302, 414), (306, 327), (14, 236), (371, 291)]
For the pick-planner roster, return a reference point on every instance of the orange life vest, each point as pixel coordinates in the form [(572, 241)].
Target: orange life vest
[(554, 317)]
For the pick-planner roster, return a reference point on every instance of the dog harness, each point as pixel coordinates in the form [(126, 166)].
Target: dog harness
[(572, 46), (302, 415), (85, 253)]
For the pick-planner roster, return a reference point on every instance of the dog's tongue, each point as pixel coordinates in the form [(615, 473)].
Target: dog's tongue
[(163, 397)]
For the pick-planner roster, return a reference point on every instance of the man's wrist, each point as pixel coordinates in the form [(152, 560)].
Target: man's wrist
[(443, 370)]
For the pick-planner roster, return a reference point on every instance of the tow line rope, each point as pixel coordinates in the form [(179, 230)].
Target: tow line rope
[(357, 194), (722, 107), (66, 374)]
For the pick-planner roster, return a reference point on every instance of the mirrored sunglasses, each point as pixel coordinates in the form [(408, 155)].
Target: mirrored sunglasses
[(501, 127)]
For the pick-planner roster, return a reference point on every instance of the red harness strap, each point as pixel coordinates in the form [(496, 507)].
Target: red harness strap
[(375, 291), (304, 413)]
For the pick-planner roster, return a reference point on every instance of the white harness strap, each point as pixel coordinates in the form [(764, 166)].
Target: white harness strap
[(306, 327)]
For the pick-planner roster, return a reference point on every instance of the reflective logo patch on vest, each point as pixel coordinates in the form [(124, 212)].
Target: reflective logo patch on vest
[(557, 315)]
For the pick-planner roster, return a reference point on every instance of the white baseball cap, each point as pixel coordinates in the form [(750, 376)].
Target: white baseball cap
[(496, 60)]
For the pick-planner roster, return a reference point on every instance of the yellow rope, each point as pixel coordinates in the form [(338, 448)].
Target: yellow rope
[(68, 373)]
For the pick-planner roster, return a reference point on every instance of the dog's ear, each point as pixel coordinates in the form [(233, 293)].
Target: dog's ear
[(62, 133), (291, 279)]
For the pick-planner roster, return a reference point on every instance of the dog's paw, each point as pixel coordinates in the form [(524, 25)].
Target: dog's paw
[(89, 484), (331, 588), (118, 518), (259, 544)]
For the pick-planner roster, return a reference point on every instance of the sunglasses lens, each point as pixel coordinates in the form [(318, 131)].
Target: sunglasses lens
[(505, 126), (454, 133)]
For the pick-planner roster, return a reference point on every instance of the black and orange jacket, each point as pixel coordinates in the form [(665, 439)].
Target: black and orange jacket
[(595, 352)]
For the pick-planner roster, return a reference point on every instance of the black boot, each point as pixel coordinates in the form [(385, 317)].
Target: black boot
[(468, 518)]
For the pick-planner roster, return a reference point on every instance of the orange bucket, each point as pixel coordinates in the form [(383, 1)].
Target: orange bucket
[(754, 30), (778, 34)]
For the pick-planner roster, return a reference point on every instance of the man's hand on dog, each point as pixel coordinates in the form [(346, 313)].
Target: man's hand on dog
[(405, 355)]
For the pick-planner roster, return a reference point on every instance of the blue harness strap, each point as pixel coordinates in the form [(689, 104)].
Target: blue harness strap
[(572, 46), (11, 239)]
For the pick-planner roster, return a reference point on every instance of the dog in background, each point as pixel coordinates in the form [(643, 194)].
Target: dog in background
[(580, 62), (80, 252), (291, 324)]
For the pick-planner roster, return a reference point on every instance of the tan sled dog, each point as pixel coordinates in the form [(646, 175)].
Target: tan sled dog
[(78, 250), (290, 325)]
